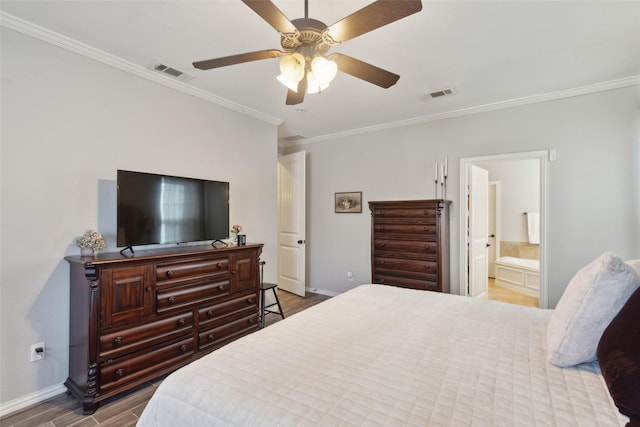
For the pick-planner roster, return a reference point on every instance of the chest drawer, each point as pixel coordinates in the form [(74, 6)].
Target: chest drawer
[(183, 297), (177, 272), (406, 246), (417, 212), (126, 369), (406, 282), (413, 229), (400, 264), (119, 343)]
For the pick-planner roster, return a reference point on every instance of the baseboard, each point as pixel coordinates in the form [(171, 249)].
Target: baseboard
[(322, 292), (31, 399)]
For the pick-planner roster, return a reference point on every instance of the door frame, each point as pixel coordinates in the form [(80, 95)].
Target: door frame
[(497, 191), (544, 157)]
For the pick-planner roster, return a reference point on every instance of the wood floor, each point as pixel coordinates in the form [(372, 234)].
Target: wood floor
[(498, 293), (124, 410)]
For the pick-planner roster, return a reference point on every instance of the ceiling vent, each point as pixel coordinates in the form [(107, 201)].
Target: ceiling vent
[(172, 72), (437, 94), (294, 138)]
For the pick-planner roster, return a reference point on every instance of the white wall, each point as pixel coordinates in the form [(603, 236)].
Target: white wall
[(68, 123), (594, 197)]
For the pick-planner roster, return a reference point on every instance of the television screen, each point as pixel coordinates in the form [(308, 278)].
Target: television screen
[(156, 209)]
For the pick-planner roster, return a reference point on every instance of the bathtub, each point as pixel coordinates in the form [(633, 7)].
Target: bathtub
[(522, 275)]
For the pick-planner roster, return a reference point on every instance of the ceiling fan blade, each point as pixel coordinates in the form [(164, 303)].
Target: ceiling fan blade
[(375, 15), (364, 71), (294, 98), (237, 59), (270, 13)]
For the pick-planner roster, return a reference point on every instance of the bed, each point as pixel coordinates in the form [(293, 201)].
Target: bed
[(386, 356)]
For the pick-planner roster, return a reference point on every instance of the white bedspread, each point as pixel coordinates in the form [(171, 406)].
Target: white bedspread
[(386, 356)]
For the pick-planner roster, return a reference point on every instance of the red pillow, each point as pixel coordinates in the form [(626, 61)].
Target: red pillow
[(619, 358)]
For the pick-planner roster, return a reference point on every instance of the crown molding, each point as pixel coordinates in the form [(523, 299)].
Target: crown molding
[(27, 28), (526, 100)]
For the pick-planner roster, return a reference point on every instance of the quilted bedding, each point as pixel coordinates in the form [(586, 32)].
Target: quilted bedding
[(385, 356)]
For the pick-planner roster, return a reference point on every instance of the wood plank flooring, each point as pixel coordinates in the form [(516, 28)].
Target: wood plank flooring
[(498, 293), (124, 410)]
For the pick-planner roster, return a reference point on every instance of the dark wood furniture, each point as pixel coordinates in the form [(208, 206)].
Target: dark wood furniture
[(134, 318), (410, 244)]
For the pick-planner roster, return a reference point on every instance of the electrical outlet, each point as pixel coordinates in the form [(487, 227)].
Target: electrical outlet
[(38, 351), (349, 276)]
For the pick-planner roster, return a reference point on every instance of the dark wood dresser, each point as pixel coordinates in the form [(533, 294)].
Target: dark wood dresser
[(134, 318), (410, 244)]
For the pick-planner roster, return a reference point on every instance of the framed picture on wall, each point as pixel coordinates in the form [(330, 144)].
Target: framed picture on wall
[(350, 202)]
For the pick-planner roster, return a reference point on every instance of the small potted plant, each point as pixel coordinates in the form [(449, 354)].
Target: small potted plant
[(90, 242), (235, 230)]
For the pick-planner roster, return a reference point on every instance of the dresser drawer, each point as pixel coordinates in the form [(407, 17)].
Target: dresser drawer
[(118, 371), (383, 212), (119, 343), (215, 337), (406, 282), (406, 246), (215, 314), (401, 264), (176, 272), (182, 297)]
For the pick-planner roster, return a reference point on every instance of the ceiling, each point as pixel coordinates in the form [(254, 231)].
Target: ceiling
[(491, 53)]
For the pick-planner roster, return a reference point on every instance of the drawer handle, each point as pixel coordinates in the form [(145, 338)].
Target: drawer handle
[(171, 300), (381, 245), (251, 320), (221, 288), (249, 300), (169, 273), (219, 265), (182, 321), (118, 341), (427, 267), (210, 337), (381, 261), (120, 373), (381, 228), (209, 313), (380, 212), (381, 280), (183, 348), (148, 289), (233, 272)]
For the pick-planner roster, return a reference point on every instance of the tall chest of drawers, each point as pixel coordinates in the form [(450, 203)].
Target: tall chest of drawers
[(136, 318), (410, 244)]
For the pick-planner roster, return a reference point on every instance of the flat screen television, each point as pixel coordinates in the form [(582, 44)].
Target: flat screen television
[(160, 209)]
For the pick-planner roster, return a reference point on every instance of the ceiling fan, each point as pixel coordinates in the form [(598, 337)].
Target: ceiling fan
[(305, 63)]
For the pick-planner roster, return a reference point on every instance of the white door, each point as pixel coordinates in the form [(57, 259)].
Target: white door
[(478, 232), (291, 223)]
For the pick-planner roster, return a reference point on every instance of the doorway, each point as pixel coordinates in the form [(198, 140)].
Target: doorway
[(494, 239)]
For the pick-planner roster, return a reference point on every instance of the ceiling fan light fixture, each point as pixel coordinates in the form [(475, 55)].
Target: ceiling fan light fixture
[(324, 70), (291, 84), (314, 85), (292, 66)]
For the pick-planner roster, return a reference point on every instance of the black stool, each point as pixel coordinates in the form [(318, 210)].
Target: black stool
[(264, 287)]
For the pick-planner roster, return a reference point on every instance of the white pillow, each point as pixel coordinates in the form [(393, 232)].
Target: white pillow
[(592, 299), (635, 264)]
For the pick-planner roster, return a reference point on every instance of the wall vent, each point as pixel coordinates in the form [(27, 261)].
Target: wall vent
[(172, 72), (437, 94)]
